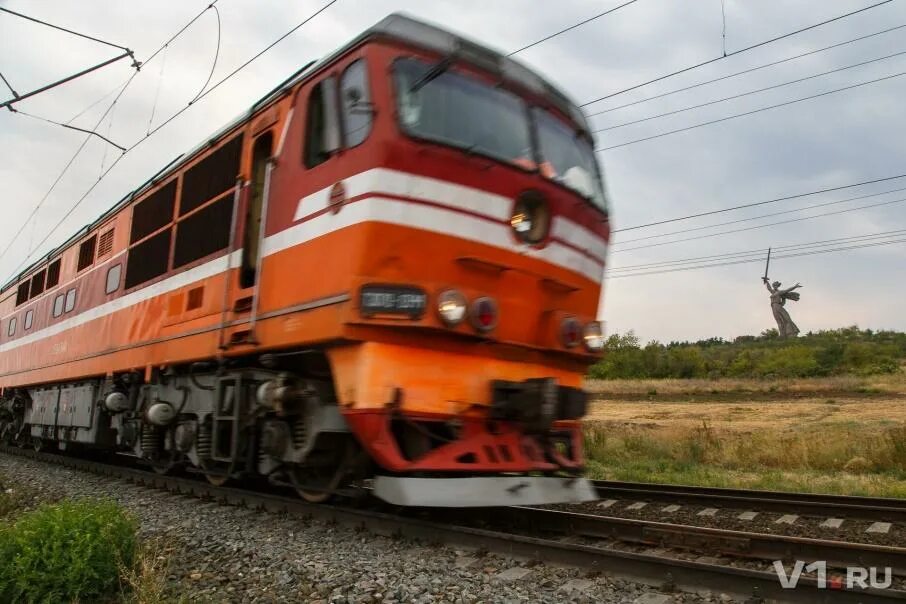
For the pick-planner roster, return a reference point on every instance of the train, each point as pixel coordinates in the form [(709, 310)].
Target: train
[(385, 274)]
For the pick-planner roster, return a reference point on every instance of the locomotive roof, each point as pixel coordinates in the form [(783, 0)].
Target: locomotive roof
[(396, 26)]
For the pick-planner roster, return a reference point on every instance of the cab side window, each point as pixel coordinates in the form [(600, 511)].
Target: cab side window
[(355, 99), (322, 136)]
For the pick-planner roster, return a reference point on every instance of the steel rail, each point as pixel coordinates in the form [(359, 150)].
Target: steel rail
[(762, 546), (815, 504), (665, 572)]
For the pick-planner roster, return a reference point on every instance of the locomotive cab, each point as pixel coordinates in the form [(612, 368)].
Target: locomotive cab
[(456, 197)]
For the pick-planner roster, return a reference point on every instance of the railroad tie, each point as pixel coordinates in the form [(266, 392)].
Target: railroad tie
[(708, 512), (671, 508), (832, 523), (638, 505), (787, 519), (878, 527), (747, 515), (607, 503)]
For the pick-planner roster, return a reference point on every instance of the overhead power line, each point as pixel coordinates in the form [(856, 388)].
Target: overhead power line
[(8, 85), (122, 89), (754, 111), (735, 52), (571, 27), (64, 125), (758, 259), (759, 217), (760, 203), (69, 31), (750, 92), (201, 96), (745, 71), (759, 251), (26, 95), (760, 226)]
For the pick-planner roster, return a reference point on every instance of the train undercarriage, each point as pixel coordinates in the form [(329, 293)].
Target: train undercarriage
[(276, 416)]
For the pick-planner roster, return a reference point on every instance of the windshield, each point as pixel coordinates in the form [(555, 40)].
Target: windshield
[(455, 109), (567, 157), (463, 111)]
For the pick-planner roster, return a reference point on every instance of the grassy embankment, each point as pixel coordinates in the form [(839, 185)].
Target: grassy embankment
[(842, 435), (73, 551)]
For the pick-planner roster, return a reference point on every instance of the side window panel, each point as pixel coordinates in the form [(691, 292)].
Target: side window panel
[(29, 319), (113, 279), (11, 329), (70, 300), (321, 130), (58, 305), (356, 102)]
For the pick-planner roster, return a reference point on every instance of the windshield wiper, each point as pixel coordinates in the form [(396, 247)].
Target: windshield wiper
[(433, 73)]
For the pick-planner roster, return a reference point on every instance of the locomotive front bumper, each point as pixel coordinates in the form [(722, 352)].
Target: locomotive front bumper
[(483, 491)]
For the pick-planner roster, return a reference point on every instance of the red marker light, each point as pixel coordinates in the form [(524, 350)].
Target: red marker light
[(484, 314)]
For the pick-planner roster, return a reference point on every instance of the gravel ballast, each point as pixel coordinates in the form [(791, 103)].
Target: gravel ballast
[(219, 553)]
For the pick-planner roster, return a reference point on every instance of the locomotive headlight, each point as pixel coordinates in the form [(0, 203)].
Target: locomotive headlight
[(451, 306), (594, 336), (531, 218)]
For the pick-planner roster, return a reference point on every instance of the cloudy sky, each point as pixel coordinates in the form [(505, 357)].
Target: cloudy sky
[(843, 138)]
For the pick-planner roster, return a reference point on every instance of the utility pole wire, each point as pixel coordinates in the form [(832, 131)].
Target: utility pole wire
[(8, 85), (750, 92), (22, 97), (81, 147), (754, 111), (90, 132), (734, 53), (761, 203), (69, 31), (760, 226), (820, 243), (103, 175), (759, 217), (570, 28), (750, 70), (758, 259)]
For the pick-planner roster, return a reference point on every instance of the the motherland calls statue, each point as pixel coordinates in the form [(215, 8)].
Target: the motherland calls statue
[(785, 326)]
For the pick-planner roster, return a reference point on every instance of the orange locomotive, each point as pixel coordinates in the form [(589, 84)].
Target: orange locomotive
[(388, 269)]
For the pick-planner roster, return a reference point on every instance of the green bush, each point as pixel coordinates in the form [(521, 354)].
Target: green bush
[(66, 552), (832, 352)]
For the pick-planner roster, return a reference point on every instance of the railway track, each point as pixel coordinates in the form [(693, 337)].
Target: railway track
[(842, 506), (524, 525)]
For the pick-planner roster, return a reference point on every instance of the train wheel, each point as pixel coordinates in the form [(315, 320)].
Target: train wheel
[(215, 474), (317, 484)]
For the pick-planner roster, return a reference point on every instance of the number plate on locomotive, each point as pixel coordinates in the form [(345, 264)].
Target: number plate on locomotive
[(393, 300)]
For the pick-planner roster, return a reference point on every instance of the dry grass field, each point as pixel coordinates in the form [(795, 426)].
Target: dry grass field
[(838, 435)]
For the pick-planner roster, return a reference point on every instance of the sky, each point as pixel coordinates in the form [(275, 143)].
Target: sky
[(838, 139)]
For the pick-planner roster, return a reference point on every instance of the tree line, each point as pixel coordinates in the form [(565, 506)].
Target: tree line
[(845, 351)]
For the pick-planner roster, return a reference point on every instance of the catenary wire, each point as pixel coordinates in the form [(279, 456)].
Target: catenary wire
[(216, 56), (735, 52), (727, 255), (75, 155), (81, 147), (750, 92), (69, 31), (8, 85), (760, 226), (761, 203), (759, 259), (103, 175), (571, 27), (745, 71), (752, 112), (760, 216), (64, 125)]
